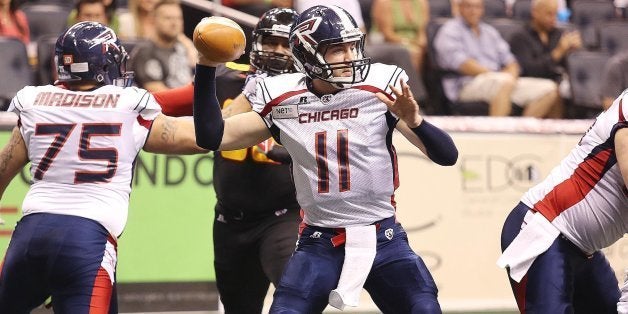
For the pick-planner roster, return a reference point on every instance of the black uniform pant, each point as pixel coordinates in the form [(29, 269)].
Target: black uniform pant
[(249, 255)]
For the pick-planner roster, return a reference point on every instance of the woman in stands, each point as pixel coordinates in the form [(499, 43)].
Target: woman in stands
[(13, 22)]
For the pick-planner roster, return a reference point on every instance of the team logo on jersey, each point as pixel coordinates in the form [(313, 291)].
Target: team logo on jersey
[(286, 112), (325, 99), (389, 233)]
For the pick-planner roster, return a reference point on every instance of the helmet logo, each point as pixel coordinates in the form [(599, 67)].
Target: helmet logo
[(68, 59), (107, 39), (304, 30)]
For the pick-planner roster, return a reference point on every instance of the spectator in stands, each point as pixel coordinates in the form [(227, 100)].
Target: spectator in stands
[(486, 70), (13, 22), (90, 10), (162, 62), (101, 11), (541, 48), (138, 21), (403, 22), (614, 78)]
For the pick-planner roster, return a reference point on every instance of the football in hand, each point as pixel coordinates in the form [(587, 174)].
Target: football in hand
[(219, 39)]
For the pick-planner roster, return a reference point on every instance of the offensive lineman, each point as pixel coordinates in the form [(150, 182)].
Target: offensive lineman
[(336, 119), (553, 237), (81, 137)]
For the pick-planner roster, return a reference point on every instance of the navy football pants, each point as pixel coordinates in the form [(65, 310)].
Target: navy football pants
[(399, 281), (563, 279), (58, 256)]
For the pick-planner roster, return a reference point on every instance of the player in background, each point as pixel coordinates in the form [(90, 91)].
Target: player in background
[(336, 119), (256, 214), (81, 137), (553, 237)]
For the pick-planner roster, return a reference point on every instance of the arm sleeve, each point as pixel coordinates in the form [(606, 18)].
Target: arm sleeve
[(208, 123), (176, 102), (438, 144)]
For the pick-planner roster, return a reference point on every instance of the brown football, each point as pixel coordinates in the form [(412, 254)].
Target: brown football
[(219, 39)]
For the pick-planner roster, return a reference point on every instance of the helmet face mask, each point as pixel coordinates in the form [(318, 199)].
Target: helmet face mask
[(91, 52), (274, 23), (318, 29)]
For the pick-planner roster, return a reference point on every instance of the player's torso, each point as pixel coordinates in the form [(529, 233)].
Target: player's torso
[(246, 182), (344, 165), (82, 146), (585, 196)]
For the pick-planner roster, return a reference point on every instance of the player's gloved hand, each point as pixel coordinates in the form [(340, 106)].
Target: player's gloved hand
[(272, 152)]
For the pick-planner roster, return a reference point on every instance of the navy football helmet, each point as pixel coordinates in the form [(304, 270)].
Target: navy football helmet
[(90, 51), (274, 22), (316, 29)]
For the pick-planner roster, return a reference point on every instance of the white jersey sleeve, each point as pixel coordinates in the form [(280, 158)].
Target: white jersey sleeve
[(82, 145), (585, 196)]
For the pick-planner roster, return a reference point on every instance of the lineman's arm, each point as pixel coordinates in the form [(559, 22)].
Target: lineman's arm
[(432, 141), (239, 105), (170, 135), (178, 102), (13, 158), (621, 151), (212, 132)]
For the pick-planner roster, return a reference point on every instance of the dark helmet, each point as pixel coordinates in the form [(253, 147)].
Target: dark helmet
[(274, 22), (90, 51), (316, 29)]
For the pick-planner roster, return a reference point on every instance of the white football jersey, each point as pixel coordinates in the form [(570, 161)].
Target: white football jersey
[(585, 196), (82, 147), (344, 163)]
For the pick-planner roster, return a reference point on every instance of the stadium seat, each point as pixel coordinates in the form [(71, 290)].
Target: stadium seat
[(45, 59), (494, 8), (614, 37), (587, 15), (585, 74), (45, 19), (521, 10), (507, 27), (14, 67), (440, 8)]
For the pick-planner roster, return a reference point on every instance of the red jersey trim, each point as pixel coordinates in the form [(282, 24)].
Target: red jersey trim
[(145, 123), (575, 188), (374, 90)]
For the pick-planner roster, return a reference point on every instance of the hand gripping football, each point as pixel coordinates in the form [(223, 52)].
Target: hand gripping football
[(219, 39)]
